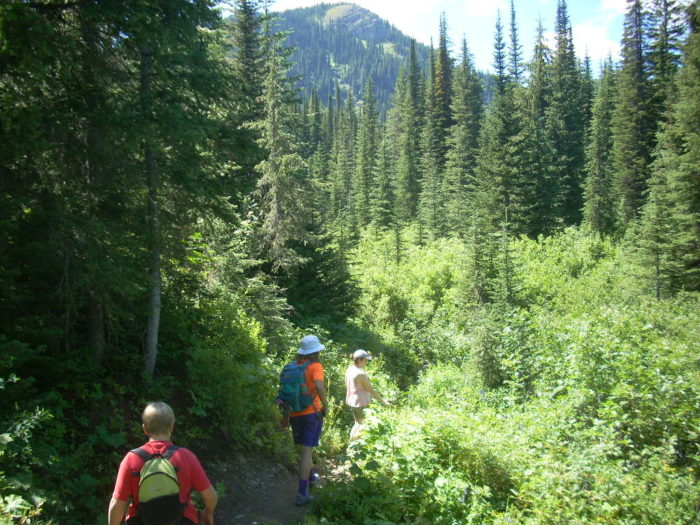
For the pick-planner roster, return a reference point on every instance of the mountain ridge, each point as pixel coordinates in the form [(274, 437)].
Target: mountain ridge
[(346, 43)]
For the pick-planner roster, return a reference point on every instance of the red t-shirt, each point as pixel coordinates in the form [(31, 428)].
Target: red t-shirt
[(190, 473), (313, 372)]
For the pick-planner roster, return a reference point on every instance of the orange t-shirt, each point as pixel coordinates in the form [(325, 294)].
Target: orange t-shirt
[(313, 372)]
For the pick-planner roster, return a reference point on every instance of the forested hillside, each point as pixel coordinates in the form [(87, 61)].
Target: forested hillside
[(346, 44), (175, 215)]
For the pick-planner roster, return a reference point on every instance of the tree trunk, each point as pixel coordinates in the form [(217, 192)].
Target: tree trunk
[(94, 172), (154, 304), (96, 333)]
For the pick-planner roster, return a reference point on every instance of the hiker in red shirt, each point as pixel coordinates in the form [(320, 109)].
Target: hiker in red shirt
[(158, 421), (307, 424)]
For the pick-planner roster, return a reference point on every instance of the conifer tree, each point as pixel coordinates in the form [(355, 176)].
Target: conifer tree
[(248, 64), (665, 31), (248, 70), (431, 203), (441, 96), (382, 195), (496, 199), (410, 122), (315, 125), (429, 211), (543, 213), (669, 237), (329, 124), (499, 58), (366, 158), (283, 184), (515, 53), (565, 124), (599, 211), (467, 110), (587, 92), (632, 140), (342, 162)]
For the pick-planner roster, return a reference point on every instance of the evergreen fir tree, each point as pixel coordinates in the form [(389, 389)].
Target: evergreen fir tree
[(515, 68), (631, 126), (467, 111), (366, 158), (382, 196), (283, 184), (441, 95), (599, 211), (543, 214), (666, 29), (498, 190), (587, 93), (565, 122), (343, 164), (669, 237), (408, 142), (246, 29), (499, 58), (247, 62)]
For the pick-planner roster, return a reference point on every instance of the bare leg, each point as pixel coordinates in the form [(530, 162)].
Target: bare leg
[(305, 462), (358, 414)]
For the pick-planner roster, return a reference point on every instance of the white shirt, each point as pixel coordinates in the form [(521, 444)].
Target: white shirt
[(355, 396)]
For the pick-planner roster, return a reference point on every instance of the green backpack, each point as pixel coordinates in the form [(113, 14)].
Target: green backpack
[(293, 392), (159, 488)]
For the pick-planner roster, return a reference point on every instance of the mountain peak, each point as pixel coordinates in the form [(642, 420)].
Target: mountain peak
[(348, 44)]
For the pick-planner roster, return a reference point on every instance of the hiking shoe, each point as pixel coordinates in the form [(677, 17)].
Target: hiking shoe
[(303, 500), (314, 478)]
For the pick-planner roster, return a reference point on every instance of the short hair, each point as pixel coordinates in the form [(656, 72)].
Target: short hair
[(158, 418), (309, 357)]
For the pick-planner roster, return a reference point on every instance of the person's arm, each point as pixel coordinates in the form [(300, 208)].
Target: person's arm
[(117, 511), (321, 391), (284, 414), (364, 384), (209, 499)]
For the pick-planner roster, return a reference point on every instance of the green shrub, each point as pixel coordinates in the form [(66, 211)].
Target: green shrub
[(232, 385)]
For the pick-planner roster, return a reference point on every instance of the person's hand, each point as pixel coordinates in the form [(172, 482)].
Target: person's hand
[(206, 517), (284, 422)]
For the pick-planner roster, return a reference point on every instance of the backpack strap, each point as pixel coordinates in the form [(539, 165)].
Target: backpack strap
[(170, 451), (305, 366), (141, 452), (145, 455)]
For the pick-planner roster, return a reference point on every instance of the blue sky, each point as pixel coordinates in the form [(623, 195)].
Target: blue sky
[(597, 24)]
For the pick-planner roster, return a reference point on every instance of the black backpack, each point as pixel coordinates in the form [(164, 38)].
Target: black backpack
[(159, 488)]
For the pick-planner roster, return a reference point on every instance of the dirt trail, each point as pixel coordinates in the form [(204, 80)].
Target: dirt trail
[(257, 491)]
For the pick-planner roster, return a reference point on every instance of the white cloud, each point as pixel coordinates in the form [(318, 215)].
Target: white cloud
[(616, 7), (486, 8), (593, 38)]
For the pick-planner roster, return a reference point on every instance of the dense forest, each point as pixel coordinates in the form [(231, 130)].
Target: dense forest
[(175, 215)]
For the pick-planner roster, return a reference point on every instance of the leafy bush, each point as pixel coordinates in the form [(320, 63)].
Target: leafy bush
[(232, 385), (578, 404)]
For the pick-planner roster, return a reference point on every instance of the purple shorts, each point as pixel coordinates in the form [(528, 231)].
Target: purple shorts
[(306, 429)]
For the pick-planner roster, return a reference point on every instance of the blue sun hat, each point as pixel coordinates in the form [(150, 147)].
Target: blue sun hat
[(310, 345)]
